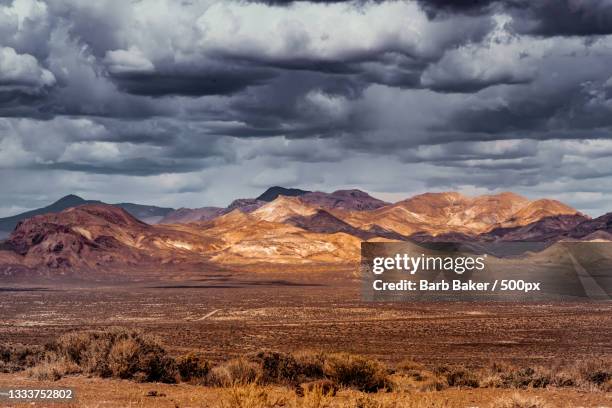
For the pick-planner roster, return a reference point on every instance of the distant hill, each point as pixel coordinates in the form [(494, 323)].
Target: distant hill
[(352, 200), (273, 192), (8, 224), (146, 213), (186, 215)]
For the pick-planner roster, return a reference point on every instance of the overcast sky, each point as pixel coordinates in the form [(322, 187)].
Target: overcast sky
[(200, 103)]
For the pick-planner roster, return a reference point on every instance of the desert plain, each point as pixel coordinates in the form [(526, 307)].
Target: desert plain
[(228, 314)]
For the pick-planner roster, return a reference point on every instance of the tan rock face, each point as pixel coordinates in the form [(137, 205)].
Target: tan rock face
[(440, 213), (283, 208)]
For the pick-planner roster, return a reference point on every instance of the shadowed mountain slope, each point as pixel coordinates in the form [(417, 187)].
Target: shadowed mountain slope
[(324, 222), (545, 229), (146, 213), (602, 224), (352, 200)]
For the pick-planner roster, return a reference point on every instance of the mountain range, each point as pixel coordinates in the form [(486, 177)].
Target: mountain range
[(290, 227)]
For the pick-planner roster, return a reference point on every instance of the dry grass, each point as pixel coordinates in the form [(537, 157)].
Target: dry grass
[(250, 396), (111, 393), (318, 396), (519, 401), (395, 400), (411, 376), (53, 371), (236, 372), (257, 396), (325, 387)]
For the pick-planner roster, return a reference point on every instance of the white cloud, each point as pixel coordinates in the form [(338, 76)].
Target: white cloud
[(336, 31), (22, 72), (332, 107), (501, 58), (126, 61)]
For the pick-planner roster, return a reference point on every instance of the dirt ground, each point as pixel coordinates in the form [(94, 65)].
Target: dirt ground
[(228, 315), (231, 314), (99, 393)]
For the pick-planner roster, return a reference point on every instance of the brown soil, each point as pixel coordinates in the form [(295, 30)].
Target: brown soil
[(290, 313)]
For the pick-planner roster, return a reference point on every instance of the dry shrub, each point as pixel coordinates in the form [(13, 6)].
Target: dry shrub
[(519, 401), (250, 396), (588, 373), (357, 372), (311, 364), (596, 372), (123, 358), (115, 352), (461, 377), (239, 371), (277, 367), (505, 375), (192, 367), (526, 377), (491, 376), (492, 380), (16, 357), (563, 378)]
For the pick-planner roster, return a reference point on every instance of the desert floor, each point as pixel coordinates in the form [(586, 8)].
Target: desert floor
[(230, 314)]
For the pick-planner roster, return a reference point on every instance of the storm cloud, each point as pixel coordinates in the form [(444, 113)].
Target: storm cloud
[(196, 103)]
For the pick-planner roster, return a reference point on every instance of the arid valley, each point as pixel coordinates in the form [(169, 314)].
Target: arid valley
[(227, 317), (282, 276)]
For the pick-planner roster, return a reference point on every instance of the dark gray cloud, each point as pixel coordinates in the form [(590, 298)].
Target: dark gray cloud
[(197, 104), (563, 17), (441, 8), (543, 18), (219, 82)]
